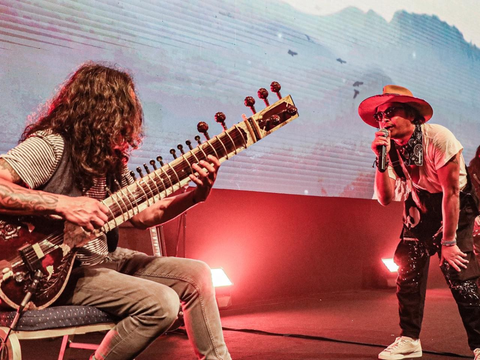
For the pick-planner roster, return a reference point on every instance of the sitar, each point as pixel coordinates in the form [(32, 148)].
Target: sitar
[(30, 246)]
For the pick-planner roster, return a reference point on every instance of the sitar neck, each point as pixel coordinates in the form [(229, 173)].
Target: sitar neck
[(162, 182)]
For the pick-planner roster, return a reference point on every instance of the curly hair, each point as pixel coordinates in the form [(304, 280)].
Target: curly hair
[(98, 114)]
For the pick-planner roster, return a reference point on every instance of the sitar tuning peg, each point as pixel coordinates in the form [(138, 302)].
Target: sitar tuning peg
[(147, 169), (198, 139), (189, 144), (132, 173), (203, 128), (291, 109), (270, 123), (250, 102), (263, 94), (220, 118), (139, 171), (274, 120), (174, 154), (109, 192), (117, 184), (275, 87), (160, 160), (154, 166), (180, 147)]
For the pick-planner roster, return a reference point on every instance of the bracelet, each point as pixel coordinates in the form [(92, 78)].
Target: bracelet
[(448, 242)]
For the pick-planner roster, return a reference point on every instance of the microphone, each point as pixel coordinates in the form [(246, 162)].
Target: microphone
[(382, 157)]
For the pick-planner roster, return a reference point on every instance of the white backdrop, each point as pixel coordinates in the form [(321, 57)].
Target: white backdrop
[(193, 58)]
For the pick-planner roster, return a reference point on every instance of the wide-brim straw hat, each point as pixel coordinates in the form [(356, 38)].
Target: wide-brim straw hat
[(392, 93)]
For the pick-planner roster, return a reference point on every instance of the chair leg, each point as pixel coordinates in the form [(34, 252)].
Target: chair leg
[(68, 344), (64, 348), (14, 351)]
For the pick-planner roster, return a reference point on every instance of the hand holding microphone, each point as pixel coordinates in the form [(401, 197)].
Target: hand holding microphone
[(380, 148), (382, 155)]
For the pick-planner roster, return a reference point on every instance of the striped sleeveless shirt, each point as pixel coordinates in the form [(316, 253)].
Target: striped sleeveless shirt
[(39, 160)]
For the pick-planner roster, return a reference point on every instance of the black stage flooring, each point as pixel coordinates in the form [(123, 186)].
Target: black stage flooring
[(347, 325)]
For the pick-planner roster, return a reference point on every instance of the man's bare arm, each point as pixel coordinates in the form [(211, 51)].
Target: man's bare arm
[(19, 200)]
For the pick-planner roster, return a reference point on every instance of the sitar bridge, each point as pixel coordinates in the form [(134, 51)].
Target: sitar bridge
[(32, 256)]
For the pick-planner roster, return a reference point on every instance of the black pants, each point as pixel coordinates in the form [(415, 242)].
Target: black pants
[(413, 259)]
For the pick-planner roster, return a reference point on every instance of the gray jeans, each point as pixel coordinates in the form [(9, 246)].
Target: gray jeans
[(146, 292)]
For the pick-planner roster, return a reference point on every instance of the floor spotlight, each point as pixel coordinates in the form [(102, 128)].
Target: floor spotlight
[(390, 264), (222, 284), (391, 277), (220, 278)]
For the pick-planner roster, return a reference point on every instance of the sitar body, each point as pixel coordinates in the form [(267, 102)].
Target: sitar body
[(28, 245)]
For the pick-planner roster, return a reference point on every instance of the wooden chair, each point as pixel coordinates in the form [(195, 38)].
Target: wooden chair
[(56, 321)]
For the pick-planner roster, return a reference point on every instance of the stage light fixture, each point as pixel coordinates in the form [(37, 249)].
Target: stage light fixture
[(222, 284), (390, 264), (219, 278), (391, 275)]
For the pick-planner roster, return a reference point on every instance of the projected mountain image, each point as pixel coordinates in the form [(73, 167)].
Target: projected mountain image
[(191, 60)]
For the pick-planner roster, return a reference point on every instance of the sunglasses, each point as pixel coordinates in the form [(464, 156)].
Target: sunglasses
[(388, 113)]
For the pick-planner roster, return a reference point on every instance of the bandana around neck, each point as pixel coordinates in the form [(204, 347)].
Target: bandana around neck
[(412, 152)]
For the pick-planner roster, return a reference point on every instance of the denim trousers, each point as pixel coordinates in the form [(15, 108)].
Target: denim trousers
[(413, 259), (147, 293)]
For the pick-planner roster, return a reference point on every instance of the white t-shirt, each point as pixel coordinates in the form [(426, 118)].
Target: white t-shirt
[(439, 146)]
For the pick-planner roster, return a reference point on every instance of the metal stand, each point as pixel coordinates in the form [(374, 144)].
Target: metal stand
[(31, 290)]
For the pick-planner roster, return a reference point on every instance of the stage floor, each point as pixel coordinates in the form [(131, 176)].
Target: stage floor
[(347, 325)]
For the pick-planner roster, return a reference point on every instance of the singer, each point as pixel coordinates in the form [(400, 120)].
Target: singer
[(425, 168)]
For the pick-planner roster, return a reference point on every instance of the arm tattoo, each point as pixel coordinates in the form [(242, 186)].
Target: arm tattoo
[(26, 200), (6, 166)]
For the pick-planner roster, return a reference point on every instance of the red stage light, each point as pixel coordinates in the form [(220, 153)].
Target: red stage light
[(219, 278), (390, 264), (221, 282)]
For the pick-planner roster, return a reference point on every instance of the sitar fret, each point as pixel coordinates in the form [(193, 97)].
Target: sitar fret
[(144, 192)]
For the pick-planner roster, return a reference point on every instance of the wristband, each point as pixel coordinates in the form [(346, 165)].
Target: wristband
[(448, 242)]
